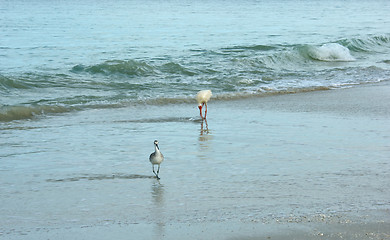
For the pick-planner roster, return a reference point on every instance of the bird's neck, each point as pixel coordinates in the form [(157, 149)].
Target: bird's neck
[(156, 149)]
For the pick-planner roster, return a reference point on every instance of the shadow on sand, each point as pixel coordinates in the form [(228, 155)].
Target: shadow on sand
[(92, 177)]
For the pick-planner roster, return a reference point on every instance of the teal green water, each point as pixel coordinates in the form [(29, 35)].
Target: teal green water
[(69, 56)]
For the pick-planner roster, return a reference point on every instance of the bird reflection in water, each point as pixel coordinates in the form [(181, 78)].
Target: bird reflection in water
[(204, 127), (204, 140), (158, 210)]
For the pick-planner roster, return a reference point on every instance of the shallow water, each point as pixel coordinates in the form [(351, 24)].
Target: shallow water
[(251, 164)]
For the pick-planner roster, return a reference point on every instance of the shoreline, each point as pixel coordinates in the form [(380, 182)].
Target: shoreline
[(364, 99), (11, 114)]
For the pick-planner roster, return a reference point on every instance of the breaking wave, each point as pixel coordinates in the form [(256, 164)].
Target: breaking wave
[(331, 52)]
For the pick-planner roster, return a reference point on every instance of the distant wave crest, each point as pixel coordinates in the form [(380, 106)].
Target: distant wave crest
[(129, 67), (10, 113), (133, 68), (7, 83), (367, 44)]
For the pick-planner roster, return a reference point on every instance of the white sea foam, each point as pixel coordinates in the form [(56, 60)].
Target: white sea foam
[(332, 52)]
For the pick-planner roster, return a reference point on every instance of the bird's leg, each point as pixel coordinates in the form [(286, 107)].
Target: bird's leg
[(153, 170), (158, 170), (205, 111)]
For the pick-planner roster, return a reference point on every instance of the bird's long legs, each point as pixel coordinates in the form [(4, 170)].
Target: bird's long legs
[(203, 130), (205, 111), (158, 170)]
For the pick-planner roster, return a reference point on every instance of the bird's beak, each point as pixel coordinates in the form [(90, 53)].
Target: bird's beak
[(200, 110)]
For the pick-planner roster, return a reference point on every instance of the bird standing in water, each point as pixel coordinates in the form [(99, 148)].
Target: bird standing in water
[(156, 158), (203, 97)]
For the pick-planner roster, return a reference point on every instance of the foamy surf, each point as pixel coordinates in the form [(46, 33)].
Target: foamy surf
[(331, 52)]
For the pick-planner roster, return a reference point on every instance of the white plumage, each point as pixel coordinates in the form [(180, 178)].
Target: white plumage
[(202, 98)]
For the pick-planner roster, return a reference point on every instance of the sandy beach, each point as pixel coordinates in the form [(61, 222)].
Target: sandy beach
[(311, 165)]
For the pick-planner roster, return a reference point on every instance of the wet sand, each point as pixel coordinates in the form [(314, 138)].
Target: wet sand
[(311, 165), (231, 230)]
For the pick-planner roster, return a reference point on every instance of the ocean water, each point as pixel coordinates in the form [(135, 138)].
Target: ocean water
[(87, 86), (71, 55)]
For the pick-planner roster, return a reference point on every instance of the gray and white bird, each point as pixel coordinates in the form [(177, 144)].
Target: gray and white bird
[(202, 98), (156, 158)]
